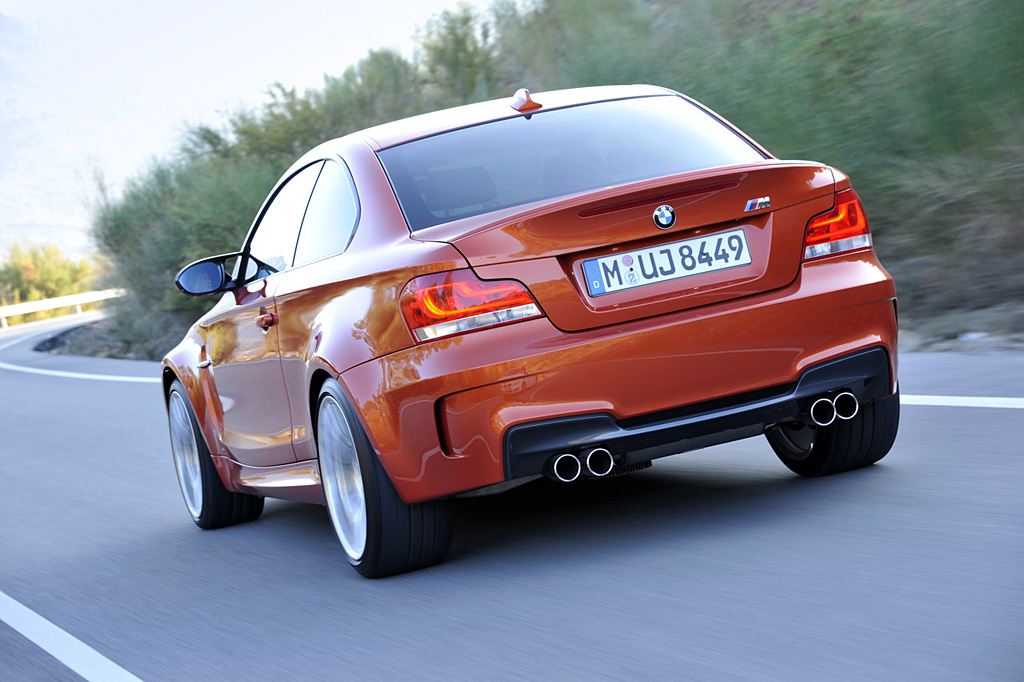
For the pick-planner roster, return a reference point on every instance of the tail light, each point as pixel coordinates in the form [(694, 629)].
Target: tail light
[(844, 228), (448, 303)]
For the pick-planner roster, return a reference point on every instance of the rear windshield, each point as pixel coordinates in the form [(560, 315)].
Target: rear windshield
[(520, 160)]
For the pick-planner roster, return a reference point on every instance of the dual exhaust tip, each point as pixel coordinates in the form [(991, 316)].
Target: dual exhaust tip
[(824, 411), (594, 463), (598, 462)]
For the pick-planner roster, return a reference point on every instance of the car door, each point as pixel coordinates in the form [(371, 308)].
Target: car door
[(242, 339), (320, 283)]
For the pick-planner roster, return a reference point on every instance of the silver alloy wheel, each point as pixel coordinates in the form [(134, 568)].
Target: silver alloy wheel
[(186, 455), (342, 478)]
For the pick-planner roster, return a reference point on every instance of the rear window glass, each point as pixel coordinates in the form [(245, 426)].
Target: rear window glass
[(520, 160)]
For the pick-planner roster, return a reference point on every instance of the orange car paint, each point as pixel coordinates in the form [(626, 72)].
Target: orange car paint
[(436, 412)]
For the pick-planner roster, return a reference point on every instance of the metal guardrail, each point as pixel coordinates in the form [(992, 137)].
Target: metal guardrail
[(74, 300)]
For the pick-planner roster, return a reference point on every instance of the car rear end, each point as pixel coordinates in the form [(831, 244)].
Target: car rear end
[(641, 280)]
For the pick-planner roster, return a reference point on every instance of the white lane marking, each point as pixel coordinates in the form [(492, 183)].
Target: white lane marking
[(924, 400), (79, 375), (19, 339), (72, 652), (962, 401), (68, 375)]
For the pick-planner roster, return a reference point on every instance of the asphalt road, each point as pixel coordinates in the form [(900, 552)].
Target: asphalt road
[(714, 565)]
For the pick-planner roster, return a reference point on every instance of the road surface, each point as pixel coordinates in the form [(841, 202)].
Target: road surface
[(714, 565)]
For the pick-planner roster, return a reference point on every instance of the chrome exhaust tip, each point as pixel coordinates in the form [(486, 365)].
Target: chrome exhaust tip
[(599, 462), (565, 468), (823, 412), (846, 405)]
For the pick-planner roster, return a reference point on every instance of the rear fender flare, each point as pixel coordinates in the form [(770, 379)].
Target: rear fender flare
[(320, 371)]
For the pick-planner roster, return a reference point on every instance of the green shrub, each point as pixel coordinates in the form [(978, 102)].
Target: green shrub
[(919, 101)]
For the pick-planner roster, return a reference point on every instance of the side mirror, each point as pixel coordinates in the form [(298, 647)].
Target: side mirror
[(207, 276)]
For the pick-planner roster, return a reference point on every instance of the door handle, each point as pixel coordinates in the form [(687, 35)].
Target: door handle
[(266, 320)]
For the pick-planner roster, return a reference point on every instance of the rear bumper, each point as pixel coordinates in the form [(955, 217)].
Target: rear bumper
[(473, 410), (529, 446)]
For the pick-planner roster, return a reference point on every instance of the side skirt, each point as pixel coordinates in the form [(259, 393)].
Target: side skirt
[(296, 481)]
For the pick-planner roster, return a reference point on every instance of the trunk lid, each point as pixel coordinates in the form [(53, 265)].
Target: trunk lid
[(545, 245)]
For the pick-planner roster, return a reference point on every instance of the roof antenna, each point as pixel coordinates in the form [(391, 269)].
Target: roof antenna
[(522, 102)]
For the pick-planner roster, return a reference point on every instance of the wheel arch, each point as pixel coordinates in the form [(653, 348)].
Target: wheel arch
[(167, 378), (181, 365), (316, 383), (318, 377)]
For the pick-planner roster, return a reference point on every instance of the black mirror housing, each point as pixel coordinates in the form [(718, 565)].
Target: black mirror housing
[(204, 277)]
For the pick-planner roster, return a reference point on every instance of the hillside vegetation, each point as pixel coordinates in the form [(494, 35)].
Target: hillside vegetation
[(921, 102)]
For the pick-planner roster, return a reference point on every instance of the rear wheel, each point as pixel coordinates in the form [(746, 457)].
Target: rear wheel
[(210, 504), (381, 535), (843, 445)]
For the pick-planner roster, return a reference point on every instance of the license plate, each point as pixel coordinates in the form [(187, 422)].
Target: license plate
[(665, 262)]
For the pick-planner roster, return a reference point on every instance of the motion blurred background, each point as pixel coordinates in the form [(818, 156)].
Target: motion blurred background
[(920, 101)]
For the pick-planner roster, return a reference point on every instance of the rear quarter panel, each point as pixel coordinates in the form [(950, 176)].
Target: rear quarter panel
[(344, 310)]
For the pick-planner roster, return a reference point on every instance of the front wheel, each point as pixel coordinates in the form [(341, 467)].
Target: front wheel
[(381, 535), (843, 445), (210, 504)]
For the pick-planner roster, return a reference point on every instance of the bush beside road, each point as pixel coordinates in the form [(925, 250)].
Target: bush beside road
[(918, 101)]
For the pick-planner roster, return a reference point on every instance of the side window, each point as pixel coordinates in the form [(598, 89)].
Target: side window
[(331, 216), (274, 240)]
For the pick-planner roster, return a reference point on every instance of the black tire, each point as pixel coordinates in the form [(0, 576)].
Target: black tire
[(210, 504), (843, 445), (397, 537)]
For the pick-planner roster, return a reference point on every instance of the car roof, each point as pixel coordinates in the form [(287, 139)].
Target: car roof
[(408, 129)]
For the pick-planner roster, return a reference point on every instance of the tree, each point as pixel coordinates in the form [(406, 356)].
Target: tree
[(381, 87), (458, 56), (33, 273)]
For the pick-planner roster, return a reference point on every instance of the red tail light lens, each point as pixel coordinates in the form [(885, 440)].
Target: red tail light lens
[(844, 228), (456, 302)]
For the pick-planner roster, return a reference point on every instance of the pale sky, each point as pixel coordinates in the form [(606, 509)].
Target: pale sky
[(108, 85)]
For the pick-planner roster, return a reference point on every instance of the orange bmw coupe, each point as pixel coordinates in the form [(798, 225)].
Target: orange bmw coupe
[(569, 284)]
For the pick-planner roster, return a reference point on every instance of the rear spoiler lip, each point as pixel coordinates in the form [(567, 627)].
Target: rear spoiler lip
[(665, 196)]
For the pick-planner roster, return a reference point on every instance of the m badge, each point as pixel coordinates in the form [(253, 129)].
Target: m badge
[(755, 204)]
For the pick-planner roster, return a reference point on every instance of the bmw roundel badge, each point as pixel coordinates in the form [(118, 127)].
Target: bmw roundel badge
[(664, 216)]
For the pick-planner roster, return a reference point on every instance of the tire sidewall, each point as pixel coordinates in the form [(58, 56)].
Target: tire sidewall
[(839, 446), (369, 469), (206, 467)]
